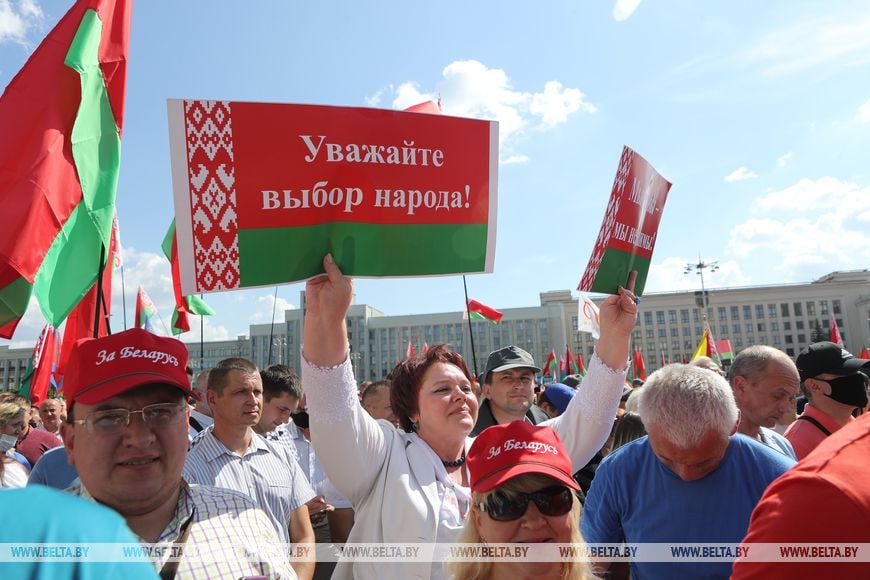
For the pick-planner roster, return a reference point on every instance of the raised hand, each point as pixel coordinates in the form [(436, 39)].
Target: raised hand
[(328, 299), (618, 316)]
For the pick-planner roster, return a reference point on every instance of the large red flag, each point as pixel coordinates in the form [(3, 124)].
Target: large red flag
[(61, 118)]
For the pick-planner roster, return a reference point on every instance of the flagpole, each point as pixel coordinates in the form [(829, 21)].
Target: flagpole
[(201, 338), (123, 297), (470, 331), (100, 297), (272, 327)]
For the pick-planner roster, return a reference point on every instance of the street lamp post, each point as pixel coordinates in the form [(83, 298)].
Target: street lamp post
[(699, 268)]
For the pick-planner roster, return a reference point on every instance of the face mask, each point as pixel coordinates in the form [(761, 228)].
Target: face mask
[(7, 442), (850, 390)]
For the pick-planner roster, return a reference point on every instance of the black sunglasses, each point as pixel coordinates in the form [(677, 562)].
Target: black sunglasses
[(556, 500)]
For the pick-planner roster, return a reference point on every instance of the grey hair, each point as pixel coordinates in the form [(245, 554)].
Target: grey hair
[(685, 402), (752, 361)]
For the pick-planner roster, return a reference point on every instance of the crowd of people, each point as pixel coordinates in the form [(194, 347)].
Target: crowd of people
[(262, 473)]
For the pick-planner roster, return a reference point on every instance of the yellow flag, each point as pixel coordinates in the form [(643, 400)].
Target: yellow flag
[(702, 346)]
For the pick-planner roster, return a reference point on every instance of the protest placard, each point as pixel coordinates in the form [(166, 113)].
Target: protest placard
[(628, 233), (263, 191)]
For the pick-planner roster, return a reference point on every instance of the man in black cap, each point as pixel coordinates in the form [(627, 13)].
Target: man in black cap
[(508, 382), (834, 387)]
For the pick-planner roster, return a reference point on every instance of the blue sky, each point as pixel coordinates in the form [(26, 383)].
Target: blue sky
[(757, 112)]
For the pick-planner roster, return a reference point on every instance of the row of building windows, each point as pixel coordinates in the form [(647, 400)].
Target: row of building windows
[(785, 310)]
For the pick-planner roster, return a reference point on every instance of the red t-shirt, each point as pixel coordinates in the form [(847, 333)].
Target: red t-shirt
[(824, 499), (35, 443)]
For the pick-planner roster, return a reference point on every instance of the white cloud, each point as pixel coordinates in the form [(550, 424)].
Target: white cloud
[(740, 174), (835, 39), (808, 195), (16, 21), (515, 159), (864, 112), (669, 275), (623, 9), (784, 160), (471, 89), (265, 305), (556, 103), (812, 227)]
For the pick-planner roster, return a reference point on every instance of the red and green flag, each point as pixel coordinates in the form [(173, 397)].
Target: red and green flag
[(628, 233), (726, 352), (184, 305), (62, 119), (581, 368), (478, 311), (639, 365), (146, 312), (41, 367), (570, 365), (550, 366)]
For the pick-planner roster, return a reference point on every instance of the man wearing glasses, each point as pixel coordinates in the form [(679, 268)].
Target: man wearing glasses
[(127, 436)]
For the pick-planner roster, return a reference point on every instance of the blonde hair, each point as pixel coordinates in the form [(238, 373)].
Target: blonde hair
[(9, 412), (482, 569)]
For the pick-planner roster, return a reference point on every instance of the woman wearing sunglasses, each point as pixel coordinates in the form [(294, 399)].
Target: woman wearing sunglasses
[(412, 485), (522, 492)]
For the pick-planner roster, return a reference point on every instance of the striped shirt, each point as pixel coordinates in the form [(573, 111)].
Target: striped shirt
[(266, 472), (230, 537)]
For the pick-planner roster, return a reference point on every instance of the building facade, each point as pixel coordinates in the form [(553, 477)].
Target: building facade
[(670, 325)]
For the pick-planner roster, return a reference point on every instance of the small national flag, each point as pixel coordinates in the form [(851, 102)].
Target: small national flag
[(639, 365), (726, 353), (184, 305), (431, 107), (410, 352), (685, 359), (551, 362), (836, 338), (663, 358), (425, 347), (864, 353), (479, 311), (570, 365), (145, 311), (587, 317), (38, 377), (581, 368)]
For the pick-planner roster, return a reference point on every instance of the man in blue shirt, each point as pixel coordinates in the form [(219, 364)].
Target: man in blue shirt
[(691, 480)]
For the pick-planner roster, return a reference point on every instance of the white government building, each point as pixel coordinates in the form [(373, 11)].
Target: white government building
[(788, 317)]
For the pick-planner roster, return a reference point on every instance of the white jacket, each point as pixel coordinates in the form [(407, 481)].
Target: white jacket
[(391, 480)]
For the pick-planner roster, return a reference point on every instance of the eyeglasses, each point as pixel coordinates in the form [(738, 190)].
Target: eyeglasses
[(551, 501), (113, 421)]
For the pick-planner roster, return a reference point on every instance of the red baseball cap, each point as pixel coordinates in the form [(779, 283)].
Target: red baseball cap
[(502, 452), (102, 368)]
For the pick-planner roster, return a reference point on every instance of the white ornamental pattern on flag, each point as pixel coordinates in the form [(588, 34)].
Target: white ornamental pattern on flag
[(209, 132)]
